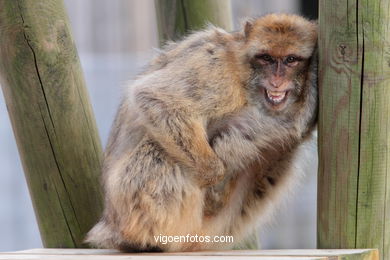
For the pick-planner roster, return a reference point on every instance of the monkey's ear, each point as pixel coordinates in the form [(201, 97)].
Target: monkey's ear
[(248, 28)]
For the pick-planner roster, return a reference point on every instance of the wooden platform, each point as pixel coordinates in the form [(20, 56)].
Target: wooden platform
[(102, 254)]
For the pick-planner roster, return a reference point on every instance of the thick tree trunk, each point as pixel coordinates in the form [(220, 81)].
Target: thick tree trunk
[(354, 125), (51, 117)]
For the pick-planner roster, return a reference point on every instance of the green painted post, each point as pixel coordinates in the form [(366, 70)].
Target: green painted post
[(354, 125), (175, 18), (52, 118)]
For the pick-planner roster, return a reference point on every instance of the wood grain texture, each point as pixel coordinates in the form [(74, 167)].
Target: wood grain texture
[(175, 18), (354, 125), (354, 254), (51, 117)]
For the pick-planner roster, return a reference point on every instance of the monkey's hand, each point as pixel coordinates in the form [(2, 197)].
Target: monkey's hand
[(238, 144), (171, 122), (210, 173), (235, 149)]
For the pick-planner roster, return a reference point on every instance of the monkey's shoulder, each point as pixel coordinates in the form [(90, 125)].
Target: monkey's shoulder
[(197, 49)]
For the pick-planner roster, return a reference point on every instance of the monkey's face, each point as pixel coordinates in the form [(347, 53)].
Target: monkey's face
[(278, 79), (279, 50)]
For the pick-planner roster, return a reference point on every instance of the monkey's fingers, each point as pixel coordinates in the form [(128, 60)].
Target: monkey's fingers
[(211, 173)]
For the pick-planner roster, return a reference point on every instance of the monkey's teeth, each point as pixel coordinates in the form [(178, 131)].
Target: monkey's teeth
[(276, 96)]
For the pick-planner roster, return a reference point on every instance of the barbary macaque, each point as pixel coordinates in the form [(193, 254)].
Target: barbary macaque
[(205, 139)]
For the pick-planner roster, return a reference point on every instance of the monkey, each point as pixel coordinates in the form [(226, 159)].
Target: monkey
[(205, 139)]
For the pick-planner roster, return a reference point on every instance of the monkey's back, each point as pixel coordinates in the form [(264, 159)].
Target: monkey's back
[(147, 191)]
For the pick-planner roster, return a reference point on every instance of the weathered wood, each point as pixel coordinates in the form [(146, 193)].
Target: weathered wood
[(355, 254), (51, 117), (354, 125), (175, 18)]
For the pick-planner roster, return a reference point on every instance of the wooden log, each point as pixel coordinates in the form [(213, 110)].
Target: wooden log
[(175, 18), (51, 117), (354, 125)]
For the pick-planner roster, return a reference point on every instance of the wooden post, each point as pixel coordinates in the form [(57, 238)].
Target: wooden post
[(354, 125), (175, 18), (51, 117)]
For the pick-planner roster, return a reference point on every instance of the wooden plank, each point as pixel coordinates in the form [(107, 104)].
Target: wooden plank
[(64, 251), (155, 256), (144, 257), (354, 125), (351, 254), (51, 117)]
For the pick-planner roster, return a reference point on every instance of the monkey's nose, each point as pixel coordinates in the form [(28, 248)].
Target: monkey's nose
[(276, 82)]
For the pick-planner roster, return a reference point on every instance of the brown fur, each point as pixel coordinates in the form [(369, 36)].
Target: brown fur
[(196, 148)]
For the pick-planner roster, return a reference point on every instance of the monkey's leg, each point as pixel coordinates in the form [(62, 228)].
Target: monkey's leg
[(181, 134), (152, 196)]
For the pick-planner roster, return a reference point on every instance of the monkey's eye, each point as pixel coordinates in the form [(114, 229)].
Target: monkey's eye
[(264, 57), (291, 59)]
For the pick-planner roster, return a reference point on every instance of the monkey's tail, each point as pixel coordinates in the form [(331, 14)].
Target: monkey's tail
[(102, 236)]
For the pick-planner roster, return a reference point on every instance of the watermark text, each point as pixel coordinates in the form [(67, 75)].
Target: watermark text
[(193, 239)]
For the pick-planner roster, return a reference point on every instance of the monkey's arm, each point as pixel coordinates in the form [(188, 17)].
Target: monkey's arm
[(169, 119), (249, 133), (235, 143), (240, 143), (235, 148)]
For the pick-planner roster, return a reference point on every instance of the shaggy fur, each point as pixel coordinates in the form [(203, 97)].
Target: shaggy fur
[(196, 148)]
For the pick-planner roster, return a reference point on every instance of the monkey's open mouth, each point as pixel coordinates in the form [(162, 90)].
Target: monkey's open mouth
[(276, 97)]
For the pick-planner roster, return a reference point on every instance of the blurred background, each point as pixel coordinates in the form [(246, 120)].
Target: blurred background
[(115, 39)]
